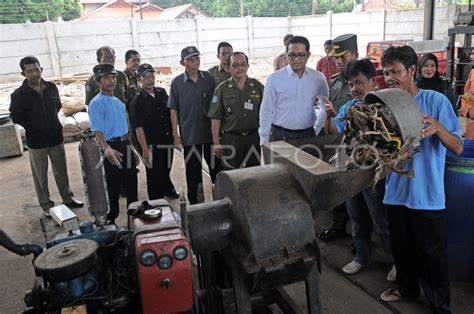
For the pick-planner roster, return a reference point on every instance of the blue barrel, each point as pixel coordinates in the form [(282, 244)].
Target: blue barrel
[(459, 187)]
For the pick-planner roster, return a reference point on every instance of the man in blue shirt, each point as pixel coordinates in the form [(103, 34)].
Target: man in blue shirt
[(108, 120), (416, 206), (344, 51), (366, 209)]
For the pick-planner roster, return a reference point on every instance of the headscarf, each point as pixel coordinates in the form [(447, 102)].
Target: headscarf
[(436, 82)]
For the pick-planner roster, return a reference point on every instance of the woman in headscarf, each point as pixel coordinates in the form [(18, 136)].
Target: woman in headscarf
[(428, 78), (467, 107)]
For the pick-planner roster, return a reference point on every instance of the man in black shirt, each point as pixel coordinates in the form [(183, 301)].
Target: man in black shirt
[(151, 120), (35, 107)]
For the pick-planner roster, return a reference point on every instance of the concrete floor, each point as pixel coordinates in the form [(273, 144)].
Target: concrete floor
[(19, 217)]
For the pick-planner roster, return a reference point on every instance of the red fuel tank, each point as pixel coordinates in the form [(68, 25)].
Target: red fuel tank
[(163, 260)]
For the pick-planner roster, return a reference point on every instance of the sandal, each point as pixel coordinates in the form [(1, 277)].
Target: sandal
[(391, 295)]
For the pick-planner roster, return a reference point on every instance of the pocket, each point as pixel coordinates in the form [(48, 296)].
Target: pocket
[(229, 105)]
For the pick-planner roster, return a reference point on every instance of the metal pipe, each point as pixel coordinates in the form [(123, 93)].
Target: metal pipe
[(211, 225), (428, 26), (19, 249)]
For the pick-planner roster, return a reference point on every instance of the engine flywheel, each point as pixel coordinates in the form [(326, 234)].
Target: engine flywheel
[(67, 260)]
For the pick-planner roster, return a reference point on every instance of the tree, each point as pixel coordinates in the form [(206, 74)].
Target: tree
[(37, 11), (231, 8)]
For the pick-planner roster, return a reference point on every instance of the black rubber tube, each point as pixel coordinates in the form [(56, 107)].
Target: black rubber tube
[(19, 249)]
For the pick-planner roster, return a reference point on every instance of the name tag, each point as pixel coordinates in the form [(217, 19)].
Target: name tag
[(248, 105)]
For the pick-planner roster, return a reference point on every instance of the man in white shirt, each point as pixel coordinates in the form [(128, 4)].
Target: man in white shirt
[(293, 98)]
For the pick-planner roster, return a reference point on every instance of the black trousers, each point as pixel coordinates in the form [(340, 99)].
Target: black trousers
[(158, 172), (115, 176), (193, 160), (419, 248)]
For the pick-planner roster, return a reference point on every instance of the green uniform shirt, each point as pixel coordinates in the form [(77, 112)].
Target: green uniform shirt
[(219, 74), (133, 88), (238, 110), (92, 88), (338, 91)]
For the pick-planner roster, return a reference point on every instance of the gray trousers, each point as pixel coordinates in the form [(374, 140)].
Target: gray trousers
[(39, 169)]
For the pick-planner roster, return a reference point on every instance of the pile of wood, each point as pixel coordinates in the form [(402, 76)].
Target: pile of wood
[(371, 141)]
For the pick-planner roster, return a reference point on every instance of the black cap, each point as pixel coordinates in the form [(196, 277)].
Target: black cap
[(342, 44), (103, 70), (189, 52), (143, 68)]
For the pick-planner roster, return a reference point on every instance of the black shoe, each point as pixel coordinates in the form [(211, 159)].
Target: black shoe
[(74, 203), (172, 194), (353, 249), (331, 234), (46, 213)]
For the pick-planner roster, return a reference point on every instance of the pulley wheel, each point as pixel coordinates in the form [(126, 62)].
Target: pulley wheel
[(67, 260)]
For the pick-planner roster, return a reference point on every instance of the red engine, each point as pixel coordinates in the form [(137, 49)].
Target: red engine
[(163, 260)]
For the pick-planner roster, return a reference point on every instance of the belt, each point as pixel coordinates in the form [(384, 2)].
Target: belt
[(118, 139), (290, 131), (242, 134)]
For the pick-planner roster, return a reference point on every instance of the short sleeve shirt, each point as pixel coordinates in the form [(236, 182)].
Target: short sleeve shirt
[(238, 109), (338, 91), (133, 87), (151, 114), (219, 74), (191, 100), (107, 114), (426, 190)]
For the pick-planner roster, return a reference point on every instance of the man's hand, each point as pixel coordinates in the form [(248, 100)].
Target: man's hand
[(177, 141), (146, 155), (431, 126), (329, 108), (114, 156), (217, 149)]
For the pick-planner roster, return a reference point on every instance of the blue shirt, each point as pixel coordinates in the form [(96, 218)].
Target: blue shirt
[(107, 115), (342, 114), (289, 101), (426, 190)]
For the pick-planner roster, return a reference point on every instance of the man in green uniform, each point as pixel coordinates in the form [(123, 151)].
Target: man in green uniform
[(132, 61), (220, 72), (234, 112), (344, 51), (106, 55)]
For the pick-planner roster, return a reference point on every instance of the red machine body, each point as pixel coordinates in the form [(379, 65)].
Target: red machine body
[(162, 289)]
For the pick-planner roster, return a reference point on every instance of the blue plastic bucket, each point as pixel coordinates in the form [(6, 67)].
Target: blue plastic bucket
[(459, 189)]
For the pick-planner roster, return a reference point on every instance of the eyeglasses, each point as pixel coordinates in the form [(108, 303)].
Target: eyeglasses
[(236, 65), (293, 56)]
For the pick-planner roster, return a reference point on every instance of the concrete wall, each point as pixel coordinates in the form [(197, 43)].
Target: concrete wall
[(66, 48)]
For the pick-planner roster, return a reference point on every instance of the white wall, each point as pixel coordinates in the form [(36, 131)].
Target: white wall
[(67, 48)]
